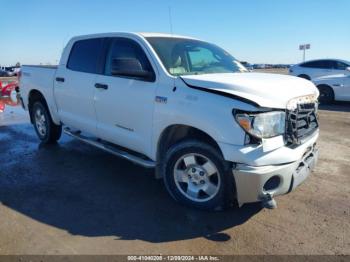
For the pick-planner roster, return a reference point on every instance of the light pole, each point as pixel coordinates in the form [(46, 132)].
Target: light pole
[(304, 47)]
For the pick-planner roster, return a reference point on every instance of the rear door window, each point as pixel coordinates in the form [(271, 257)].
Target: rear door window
[(323, 64), (312, 64), (328, 64), (85, 55)]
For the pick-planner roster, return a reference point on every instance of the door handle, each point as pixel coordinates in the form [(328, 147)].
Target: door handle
[(59, 79), (101, 86)]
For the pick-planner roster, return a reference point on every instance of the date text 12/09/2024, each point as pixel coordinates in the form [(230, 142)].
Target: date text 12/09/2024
[(173, 258)]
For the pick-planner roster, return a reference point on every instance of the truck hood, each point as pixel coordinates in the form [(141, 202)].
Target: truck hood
[(266, 90)]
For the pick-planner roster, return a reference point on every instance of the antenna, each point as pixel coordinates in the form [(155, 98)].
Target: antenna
[(170, 21), (171, 32)]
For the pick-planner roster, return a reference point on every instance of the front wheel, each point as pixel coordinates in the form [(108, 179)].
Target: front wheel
[(47, 131), (197, 175), (326, 94)]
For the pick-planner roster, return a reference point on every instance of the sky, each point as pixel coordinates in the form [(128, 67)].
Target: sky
[(257, 31)]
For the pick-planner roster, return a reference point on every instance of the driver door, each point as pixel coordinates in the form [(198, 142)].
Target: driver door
[(124, 104)]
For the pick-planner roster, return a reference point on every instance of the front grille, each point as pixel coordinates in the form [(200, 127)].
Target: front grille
[(301, 123)]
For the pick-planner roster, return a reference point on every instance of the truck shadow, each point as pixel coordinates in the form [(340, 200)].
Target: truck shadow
[(87, 192)]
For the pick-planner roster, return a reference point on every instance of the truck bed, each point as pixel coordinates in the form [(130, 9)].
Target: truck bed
[(40, 78), (42, 66)]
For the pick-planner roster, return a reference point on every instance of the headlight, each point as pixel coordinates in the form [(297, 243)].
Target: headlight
[(263, 125)]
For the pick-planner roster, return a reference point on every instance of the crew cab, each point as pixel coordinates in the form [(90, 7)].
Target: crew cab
[(215, 133)]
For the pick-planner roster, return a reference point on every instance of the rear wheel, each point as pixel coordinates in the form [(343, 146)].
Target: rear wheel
[(197, 175), (47, 131), (326, 94)]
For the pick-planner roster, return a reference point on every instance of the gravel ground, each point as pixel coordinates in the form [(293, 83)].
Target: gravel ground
[(71, 198), (8, 79)]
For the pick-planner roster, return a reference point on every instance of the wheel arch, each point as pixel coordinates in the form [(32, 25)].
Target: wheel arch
[(175, 133), (305, 76), (35, 95), (323, 85)]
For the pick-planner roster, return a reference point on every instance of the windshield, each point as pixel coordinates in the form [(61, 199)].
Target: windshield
[(181, 56)]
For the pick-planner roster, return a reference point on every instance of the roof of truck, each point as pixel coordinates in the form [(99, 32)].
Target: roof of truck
[(142, 34), (150, 34)]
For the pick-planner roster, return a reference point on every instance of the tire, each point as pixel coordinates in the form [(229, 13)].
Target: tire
[(326, 94), (47, 131), (195, 174), (304, 76)]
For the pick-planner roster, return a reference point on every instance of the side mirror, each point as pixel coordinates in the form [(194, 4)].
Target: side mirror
[(348, 68), (130, 67)]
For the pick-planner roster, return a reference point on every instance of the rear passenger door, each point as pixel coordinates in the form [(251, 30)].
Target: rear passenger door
[(125, 103), (74, 85)]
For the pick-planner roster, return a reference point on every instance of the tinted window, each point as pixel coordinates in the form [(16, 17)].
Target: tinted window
[(85, 55), (323, 64), (340, 65), (327, 64), (307, 64), (122, 48)]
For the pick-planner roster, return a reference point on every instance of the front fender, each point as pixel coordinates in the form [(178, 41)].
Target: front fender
[(210, 113)]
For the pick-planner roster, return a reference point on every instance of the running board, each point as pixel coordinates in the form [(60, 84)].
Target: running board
[(110, 149)]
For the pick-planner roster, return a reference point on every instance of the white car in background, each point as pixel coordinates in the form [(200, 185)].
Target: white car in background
[(333, 87), (322, 67)]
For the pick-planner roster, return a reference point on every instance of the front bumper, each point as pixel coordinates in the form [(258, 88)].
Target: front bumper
[(252, 182)]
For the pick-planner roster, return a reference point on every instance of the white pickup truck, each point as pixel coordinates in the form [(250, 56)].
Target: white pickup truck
[(215, 133)]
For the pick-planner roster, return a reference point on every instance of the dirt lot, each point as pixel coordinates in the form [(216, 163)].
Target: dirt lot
[(71, 198), (283, 71), (8, 79)]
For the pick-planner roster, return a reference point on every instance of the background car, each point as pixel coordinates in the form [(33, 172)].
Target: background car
[(16, 71), (333, 87), (12, 70), (259, 66), (4, 73), (247, 65), (322, 67)]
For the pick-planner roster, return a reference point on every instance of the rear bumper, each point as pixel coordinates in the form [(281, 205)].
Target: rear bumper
[(252, 182)]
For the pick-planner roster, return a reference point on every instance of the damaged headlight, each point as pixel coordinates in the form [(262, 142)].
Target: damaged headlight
[(294, 102), (262, 125)]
